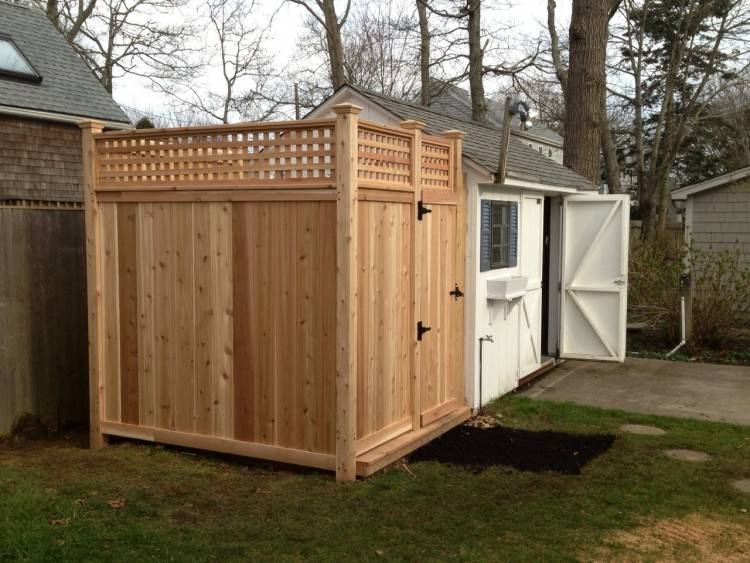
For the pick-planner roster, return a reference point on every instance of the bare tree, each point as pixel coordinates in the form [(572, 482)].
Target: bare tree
[(671, 53), (117, 37), (68, 16), (324, 12), (480, 52), (236, 79), (583, 86), (424, 52)]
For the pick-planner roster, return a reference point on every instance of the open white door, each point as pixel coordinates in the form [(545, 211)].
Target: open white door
[(594, 276), (530, 328)]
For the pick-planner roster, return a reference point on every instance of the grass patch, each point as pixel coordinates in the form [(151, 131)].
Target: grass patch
[(56, 500)]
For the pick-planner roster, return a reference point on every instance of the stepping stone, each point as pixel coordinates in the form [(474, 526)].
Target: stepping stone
[(743, 485), (688, 455), (642, 430)]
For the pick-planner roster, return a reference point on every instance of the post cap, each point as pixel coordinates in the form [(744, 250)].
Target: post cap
[(93, 125), (454, 134), (412, 124), (340, 109)]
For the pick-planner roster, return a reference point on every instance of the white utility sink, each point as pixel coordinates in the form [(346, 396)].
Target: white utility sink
[(506, 289)]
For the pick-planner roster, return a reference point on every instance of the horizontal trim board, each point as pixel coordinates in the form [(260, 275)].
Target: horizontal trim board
[(383, 435), (372, 194), (384, 185), (373, 127), (219, 128), (435, 413), (439, 196), (73, 119), (222, 445), (392, 451), (207, 185), (209, 196)]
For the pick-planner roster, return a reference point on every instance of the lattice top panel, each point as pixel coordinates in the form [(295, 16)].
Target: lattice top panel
[(258, 154), (384, 158), (436, 163)]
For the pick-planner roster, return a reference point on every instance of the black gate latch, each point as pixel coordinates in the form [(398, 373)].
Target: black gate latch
[(421, 329), (456, 293), (422, 210)]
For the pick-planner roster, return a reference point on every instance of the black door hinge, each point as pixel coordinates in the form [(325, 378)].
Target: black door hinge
[(422, 210), (421, 329), (456, 293)]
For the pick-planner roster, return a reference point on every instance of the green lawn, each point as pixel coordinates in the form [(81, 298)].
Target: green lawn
[(55, 502)]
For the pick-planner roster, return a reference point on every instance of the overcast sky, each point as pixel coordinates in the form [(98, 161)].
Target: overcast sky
[(528, 17)]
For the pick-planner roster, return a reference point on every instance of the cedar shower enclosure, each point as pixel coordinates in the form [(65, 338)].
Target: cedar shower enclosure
[(286, 290)]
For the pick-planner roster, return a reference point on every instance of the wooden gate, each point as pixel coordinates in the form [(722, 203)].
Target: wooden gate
[(441, 282)]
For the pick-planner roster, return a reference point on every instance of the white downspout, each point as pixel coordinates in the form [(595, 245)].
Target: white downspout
[(682, 327)]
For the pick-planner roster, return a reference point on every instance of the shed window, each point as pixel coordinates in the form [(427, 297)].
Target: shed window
[(13, 63), (499, 235)]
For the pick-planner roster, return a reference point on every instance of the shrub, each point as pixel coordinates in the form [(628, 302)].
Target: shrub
[(721, 295), (654, 286), (721, 290)]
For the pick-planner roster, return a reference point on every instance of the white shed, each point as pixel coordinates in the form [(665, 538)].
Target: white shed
[(546, 254)]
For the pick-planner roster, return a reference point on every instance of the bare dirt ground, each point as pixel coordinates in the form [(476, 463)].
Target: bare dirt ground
[(692, 538)]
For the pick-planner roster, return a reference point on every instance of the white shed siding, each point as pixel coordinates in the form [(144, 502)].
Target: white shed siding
[(721, 218)]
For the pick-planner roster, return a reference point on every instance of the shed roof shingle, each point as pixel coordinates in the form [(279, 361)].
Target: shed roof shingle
[(482, 144), (68, 86)]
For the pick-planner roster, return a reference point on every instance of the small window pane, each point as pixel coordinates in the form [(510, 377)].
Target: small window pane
[(496, 255), (11, 59)]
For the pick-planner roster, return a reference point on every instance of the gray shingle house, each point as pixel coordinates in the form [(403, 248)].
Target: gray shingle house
[(45, 91), (717, 212)]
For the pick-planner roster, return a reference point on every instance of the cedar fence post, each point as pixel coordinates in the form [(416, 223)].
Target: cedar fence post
[(346, 290), (415, 127), (93, 281)]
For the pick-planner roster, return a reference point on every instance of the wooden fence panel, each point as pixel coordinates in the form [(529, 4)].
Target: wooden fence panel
[(285, 324), (385, 332)]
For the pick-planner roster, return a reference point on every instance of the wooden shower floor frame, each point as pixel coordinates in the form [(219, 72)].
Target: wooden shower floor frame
[(377, 458)]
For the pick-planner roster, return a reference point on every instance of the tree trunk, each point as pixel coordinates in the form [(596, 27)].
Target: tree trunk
[(424, 52), (476, 62), (333, 41), (612, 167), (647, 207), (586, 87)]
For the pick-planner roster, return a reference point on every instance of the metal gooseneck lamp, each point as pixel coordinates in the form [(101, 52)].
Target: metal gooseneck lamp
[(524, 113)]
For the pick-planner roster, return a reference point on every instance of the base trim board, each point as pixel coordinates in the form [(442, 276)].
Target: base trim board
[(222, 445)]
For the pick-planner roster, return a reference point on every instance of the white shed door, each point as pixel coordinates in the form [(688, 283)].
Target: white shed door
[(530, 257), (594, 276)]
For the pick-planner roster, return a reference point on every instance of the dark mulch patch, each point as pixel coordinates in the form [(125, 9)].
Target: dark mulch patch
[(479, 448)]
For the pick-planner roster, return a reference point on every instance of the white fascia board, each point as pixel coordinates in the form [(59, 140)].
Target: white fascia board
[(338, 97), (60, 117), (683, 193), (532, 186)]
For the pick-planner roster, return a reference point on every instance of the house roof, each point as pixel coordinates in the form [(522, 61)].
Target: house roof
[(482, 144), (456, 102), (730, 177), (67, 87)]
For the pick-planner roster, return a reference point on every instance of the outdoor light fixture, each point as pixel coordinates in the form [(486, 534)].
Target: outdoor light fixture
[(524, 112)]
